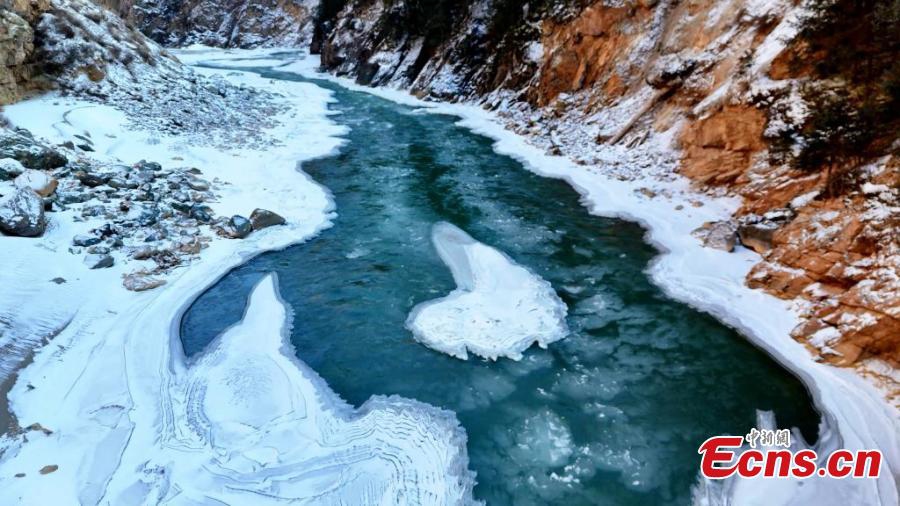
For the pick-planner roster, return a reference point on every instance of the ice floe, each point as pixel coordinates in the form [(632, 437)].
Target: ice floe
[(499, 308), (274, 428)]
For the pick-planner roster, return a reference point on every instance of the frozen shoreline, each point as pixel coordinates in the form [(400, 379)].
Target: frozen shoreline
[(130, 420), (855, 414)]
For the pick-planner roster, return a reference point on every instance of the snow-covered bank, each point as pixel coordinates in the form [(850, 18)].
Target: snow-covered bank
[(855, 415), (129, 422), (499, 308)]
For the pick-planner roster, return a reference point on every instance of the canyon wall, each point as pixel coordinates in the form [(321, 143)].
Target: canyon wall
[(230, 23)]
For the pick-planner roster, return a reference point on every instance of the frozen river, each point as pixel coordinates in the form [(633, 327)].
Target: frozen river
[(613, 413)]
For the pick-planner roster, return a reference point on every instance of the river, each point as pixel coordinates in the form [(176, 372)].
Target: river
[(612, 414)]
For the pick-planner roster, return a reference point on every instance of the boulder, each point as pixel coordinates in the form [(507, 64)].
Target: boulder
[(151, 166), (92, 180), (717, 234), (238, 227), (10, 168), (98, 261), (22, 213), (143, 253), (85, 240), (138, 282), (198, 184), (22, 147), (757, 236), (203, 214), (41, 182), (261, 218)]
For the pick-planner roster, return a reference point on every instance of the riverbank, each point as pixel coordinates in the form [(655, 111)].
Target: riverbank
[(110, 408), (856, 415), (97, 385)]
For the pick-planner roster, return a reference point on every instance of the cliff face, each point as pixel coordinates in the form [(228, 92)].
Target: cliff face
[(73, 45), (232, 23), (17, 68), (711, 86)]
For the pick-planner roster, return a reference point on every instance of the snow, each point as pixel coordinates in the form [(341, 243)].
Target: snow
[(132, 421), (275, 428), (534, 52), (499, 308), (34, 179), (855, 415), (804, 200), (874, 189)]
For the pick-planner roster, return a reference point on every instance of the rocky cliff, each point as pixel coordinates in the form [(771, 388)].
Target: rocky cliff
[(232, 23), (752, 98)]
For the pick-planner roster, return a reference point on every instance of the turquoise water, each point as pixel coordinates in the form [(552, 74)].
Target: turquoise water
[(613, 414)]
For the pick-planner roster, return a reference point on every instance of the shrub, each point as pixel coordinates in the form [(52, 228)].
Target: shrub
[(854, 107)]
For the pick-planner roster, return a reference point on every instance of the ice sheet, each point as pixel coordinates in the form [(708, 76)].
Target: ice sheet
[(499, 308)]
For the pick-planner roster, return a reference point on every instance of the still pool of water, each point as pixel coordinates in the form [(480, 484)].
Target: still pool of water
[(613, 414)]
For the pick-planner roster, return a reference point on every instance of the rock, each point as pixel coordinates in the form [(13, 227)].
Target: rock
[(145, 216), (238, 227), (181, 207), (48, 469), (58, 281), (203, 214), (261, 218), (143, 253), (144, 176), (121, 183), (10, 169), (107, 230), (91, 180), (242, 226), (717, 234), (757, 236), (84, 240), (26, 151), (198, 185), (151, 166), (98, 261), (139, 282), (72, 197), (39, 428), (190, 246), (42, 183), (22, 214)]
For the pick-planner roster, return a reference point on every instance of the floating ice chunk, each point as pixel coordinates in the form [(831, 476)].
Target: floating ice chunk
[(262, 425), (543, 440), (498, 308)]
